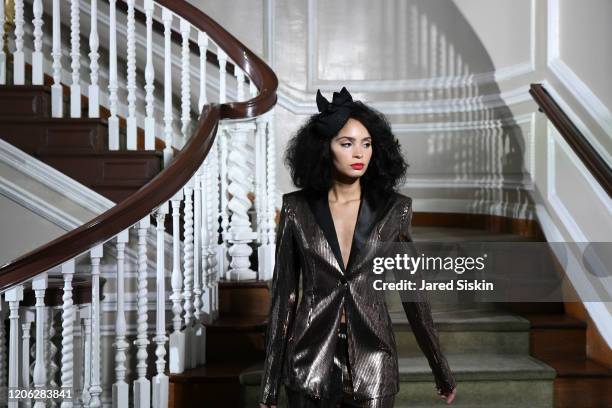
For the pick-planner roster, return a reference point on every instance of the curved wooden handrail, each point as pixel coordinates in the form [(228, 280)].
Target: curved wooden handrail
[(574, 137), (163, 187)]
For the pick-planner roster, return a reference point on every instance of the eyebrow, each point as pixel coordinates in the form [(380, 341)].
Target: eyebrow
[(352, 138)]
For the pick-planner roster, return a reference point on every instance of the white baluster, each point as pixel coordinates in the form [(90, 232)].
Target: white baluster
[(185, 78), (198, 328), (95, 389), (51, 352), (39, 284), (218, 249), (75, 87), (27, 315), (239, 83), (57, 93), (260, 168), (142, 386), (131, 77), (204, 245), (94, 42), (149, 79), (120, 387), (68, 319), (269, 223), (203, 46), (167, 18), (2, 53), (160, 381), (188, 274), (113, 120), (222, 57), (85, 313), (240, 233), (3, 356), (37, 56), (13, 296), (211, 203), (18, 57), (177, 338)]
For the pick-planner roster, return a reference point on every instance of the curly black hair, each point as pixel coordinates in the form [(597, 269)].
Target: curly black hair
[(309, 157)]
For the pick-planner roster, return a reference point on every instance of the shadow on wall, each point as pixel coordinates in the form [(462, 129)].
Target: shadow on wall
[(424, 57)]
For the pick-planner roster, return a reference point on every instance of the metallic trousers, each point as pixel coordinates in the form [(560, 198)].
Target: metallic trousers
[(342, 382)]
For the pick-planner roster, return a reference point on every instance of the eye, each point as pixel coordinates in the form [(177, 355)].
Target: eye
[(346, 144), (368, 144)]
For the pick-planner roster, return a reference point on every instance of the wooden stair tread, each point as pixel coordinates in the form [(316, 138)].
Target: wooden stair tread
[(578, 367), (250, 283), (238, 323), (213, 372), (554, 321), (52, 121)]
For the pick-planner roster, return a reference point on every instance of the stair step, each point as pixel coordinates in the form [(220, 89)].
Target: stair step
[(547, 329), (246, 298), (467, 331), (25, 101), (114, 174), (491, 380), (211, 385), (235, 338), (37, 136)]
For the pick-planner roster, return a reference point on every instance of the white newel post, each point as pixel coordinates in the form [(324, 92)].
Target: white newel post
[(94, 89), (142, 386), (177, 338), (240, 169), (167, 18), (131, 77), (149, 80), (57, 94), (113, 120), (37, 55), (75, 63), (160, 381), (95, 388), (120, 387), (13, 296), (68, 320)]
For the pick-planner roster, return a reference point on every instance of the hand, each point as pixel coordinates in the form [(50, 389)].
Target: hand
[(262, 405), (450, 396)]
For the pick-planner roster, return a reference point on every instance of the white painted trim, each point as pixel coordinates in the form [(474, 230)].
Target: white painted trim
[(43, 208), (583, 94), (486, 181), (470, 206), (493, 77), (53, 179)]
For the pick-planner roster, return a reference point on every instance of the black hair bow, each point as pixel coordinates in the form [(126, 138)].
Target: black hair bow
[(333, 115)]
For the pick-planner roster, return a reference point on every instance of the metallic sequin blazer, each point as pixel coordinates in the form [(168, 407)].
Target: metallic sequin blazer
[(301, 335)]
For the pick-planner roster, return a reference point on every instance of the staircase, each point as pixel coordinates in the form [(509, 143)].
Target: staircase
[(131, 320)]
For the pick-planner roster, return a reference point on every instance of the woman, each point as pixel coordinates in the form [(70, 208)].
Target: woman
[(338, 346)]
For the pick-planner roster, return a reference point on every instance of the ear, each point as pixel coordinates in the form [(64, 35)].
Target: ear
[(322, 103)]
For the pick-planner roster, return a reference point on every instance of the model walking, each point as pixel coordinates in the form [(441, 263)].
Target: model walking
[(337, 347)]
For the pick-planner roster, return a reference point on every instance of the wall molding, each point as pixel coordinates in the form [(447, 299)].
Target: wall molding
[(600, 113), (460, 81)]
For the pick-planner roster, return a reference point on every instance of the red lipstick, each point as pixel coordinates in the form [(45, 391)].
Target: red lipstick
[(357, 166)]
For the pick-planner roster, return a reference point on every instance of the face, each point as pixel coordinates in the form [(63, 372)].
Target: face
[(352, 149)]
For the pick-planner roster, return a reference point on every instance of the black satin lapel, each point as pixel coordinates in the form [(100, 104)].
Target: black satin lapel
[(319, 204)]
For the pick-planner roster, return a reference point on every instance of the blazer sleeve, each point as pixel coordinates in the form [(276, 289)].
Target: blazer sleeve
[(285, 282), (421, 322)]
